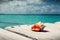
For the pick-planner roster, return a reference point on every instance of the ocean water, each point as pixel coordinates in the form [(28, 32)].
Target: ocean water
[(19, 19)]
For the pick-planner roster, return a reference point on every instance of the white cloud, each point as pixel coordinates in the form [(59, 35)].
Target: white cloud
[(43, 9), (13, 7), (23, 7), (34, 1)]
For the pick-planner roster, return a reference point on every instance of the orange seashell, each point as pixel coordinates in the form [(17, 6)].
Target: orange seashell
[(37, 27)]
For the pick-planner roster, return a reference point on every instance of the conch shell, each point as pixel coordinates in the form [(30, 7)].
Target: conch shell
[(38, 27)]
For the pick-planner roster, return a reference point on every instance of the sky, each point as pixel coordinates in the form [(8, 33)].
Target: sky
[(29, 6)]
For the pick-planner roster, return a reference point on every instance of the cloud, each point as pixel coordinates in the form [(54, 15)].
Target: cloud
[(28, 7), (13, 7)]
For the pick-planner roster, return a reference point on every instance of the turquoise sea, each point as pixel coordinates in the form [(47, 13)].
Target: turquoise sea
[(18, 19)]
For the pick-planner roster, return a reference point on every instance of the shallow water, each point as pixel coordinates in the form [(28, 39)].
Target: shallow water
[(18, 19)]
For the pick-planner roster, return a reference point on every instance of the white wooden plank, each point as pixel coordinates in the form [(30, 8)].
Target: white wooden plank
[(6, 35), (51, 32)]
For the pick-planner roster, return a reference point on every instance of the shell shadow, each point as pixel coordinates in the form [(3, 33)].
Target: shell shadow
[(44, 31)]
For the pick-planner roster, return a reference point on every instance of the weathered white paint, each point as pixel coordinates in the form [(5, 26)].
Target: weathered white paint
[(6, 35), (52, 34)]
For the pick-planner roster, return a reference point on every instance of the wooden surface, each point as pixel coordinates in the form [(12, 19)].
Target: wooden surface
[(51, 32), (6, 35)]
